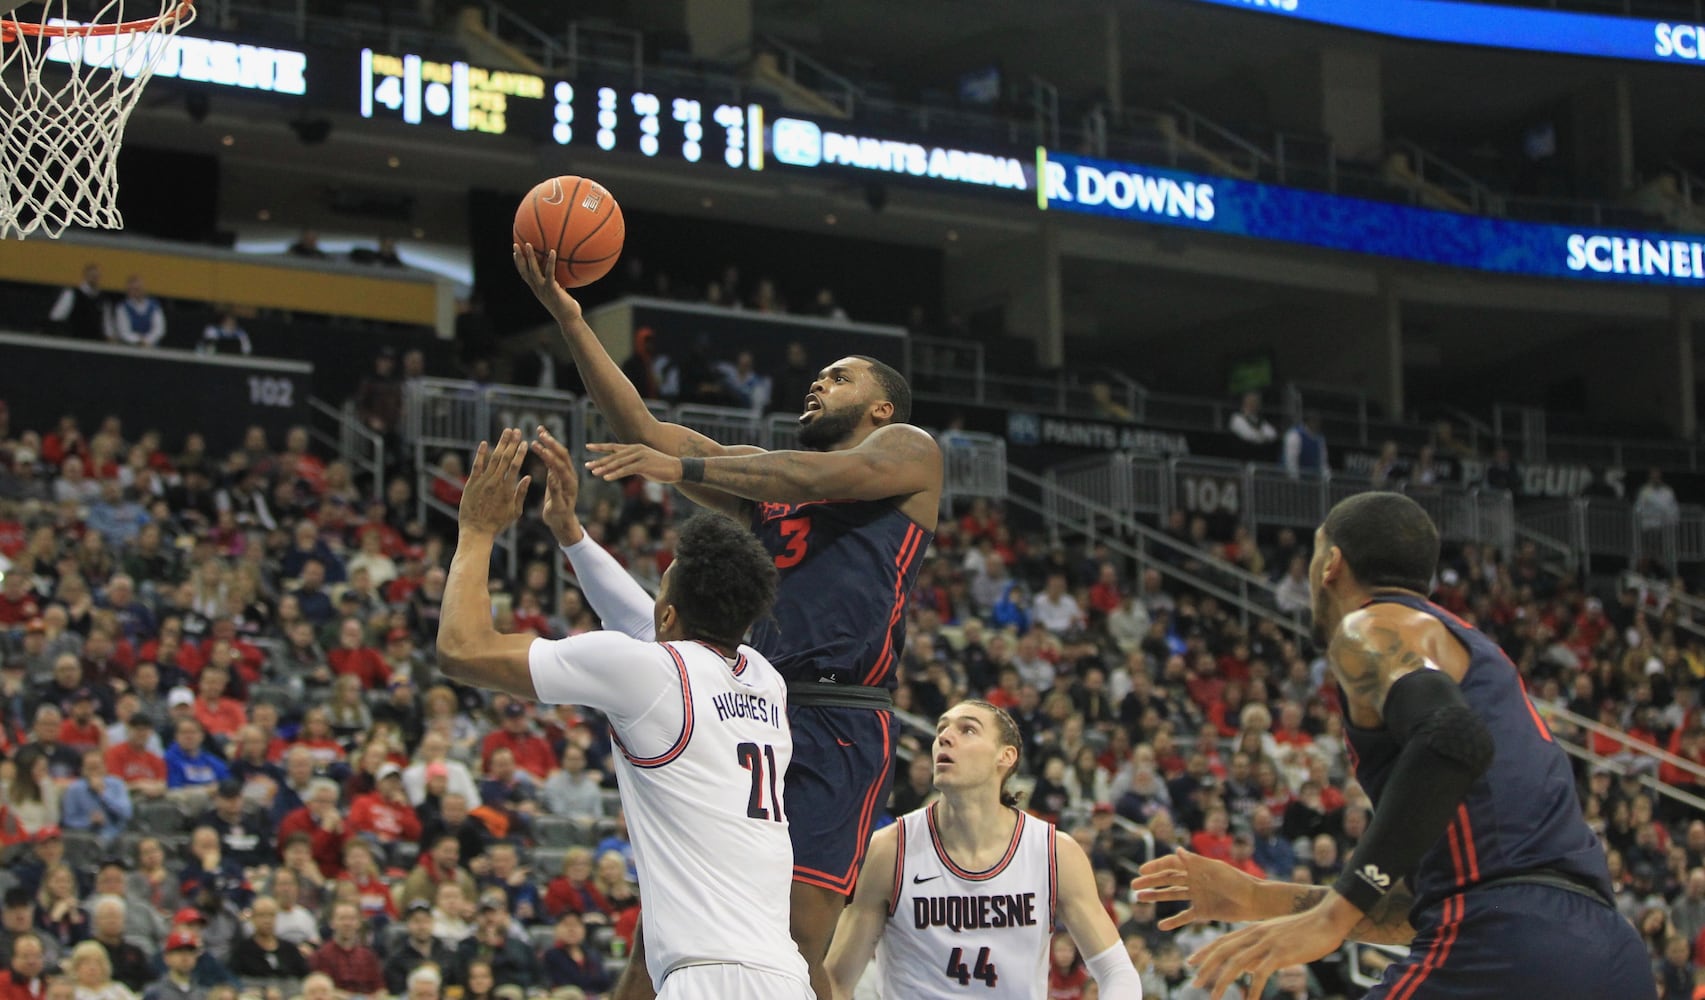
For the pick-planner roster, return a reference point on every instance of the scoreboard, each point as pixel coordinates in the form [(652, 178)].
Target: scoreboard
[(464, 98)]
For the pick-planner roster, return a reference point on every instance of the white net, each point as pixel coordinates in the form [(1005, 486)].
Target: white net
[(70, 74)]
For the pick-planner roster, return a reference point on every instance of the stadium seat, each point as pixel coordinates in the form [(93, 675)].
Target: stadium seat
[(392, 936), (277, 694), (159, 818), (542, 935), (547, 862), (83, 849), (558, 831)]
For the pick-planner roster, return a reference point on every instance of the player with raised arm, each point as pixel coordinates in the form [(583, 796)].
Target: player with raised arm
[(962, 894), (699, 720), (1477, 856), (847, 521)]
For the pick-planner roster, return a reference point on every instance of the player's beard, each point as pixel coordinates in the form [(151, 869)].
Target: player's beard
[(830, 428)]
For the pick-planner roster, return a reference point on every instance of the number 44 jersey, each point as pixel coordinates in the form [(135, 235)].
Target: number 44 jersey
[(960, 934)]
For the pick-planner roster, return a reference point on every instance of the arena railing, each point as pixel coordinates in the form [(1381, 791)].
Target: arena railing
[(1623, 763), (955, 370), (1261, 495), (1065, 512), (338, 429)]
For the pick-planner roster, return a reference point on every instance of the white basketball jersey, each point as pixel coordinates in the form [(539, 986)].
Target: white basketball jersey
[(709, 836), (959, 935)]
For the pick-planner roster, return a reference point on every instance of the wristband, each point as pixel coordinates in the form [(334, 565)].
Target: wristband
[(692, 470), (1360, 886)]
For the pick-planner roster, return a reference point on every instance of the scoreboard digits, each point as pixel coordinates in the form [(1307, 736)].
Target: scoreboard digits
[(466, 98)]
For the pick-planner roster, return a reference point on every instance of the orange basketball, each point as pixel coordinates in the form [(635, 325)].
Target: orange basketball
[(577, 217)]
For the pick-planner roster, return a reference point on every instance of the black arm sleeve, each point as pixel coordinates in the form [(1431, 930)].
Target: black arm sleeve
[(1446, 748)]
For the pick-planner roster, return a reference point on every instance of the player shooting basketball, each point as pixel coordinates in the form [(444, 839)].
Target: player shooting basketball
[(1477, 857), (847, 522)]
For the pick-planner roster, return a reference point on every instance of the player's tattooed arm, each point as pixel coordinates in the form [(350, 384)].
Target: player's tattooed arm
[(1368, 656), (1386, 923)]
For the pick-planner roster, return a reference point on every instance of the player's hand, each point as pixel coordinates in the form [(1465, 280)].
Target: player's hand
[(562, 489), (1264, 948), (623, 460), (1214, 889), (539, 272), (491, 500)]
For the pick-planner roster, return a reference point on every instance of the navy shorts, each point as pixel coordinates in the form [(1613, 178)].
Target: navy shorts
[(1520, 940), (838, 782)]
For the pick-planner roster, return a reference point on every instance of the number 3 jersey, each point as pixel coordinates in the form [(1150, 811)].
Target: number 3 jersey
[(953, 933), (846, 569)]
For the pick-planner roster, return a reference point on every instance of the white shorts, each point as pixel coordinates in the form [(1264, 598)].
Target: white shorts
[(726, 981)]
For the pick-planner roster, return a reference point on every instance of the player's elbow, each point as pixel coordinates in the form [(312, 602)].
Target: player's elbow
[(455, 656)]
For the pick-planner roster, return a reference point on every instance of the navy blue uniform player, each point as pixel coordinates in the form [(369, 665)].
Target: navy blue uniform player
[(848, 519), (1477, 856)]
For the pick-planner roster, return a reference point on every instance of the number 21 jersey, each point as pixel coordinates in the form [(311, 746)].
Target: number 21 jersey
[(958, 934)]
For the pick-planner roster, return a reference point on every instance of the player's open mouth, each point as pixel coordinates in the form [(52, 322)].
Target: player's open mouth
[(812, 404), (941, 759)]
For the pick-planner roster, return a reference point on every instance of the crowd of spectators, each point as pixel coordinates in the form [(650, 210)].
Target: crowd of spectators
[(226, 746)]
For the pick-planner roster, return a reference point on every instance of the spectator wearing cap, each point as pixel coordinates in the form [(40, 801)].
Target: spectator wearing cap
[(128, 963), (432, 760), (142, 770), (209, 969), (183, 951), (401, 707), (384, 816), (515, 881), (18, 919), (219, 715), (263, 954), (245, 837), (568, 962), (419, 947), (532, 753), (353, 656), (24, 978), (512, 961), (190, 768), (97, 802), (438, 864), (352, 966), (82, 730), (325, 827)]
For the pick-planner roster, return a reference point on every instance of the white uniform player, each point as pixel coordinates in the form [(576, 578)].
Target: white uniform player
[(949, 929), (700, 720), (958, 900), (703, 746)]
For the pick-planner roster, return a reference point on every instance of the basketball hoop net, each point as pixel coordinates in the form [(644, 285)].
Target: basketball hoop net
[(67, 87)]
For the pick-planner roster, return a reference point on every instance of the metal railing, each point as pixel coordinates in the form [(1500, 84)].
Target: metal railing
[(973, 465), (1251, 596), (952, 370), (338, 429), (1559, 718), (1589, 527), (1262, 495)]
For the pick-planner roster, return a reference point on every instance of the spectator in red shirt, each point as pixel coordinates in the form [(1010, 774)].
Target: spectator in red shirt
[(17, 601), (219, 715), (353, 967), (532, 753), (354, 656), (1212, 841), (82, 730), (141, 770), (449, 479), (317, 737), (1104, 595), (23, 979), (245, 659), (360, 871), (326, 830), (385, 815), (1289, 732), (1243, 856)]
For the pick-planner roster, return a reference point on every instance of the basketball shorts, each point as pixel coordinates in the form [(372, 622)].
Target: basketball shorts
[(726, 982), (836, 786), (1506, 941)]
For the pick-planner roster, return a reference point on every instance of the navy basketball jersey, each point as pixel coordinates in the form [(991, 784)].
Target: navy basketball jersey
[(1522, 815), (847, 568)]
